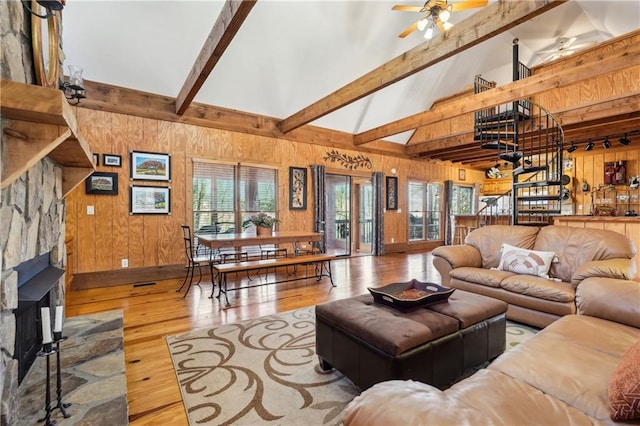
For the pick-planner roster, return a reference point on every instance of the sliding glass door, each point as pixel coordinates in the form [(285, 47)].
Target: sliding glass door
[(338, 222)]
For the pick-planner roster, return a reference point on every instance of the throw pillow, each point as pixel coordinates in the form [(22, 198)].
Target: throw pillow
[(624, 387), (527, 262)]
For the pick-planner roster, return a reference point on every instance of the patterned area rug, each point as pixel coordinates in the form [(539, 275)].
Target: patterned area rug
[(266, 371)]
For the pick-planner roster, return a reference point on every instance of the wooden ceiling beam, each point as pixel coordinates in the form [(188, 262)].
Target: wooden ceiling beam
[(233, 14), (571, 72), (121, 100), (482, 25)]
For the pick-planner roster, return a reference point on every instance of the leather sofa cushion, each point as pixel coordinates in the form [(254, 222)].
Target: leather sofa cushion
[(576, 246), (513, 402), (583, 350), (486, 277), (407, 402), (390, 330), (470, 308), (489, 239), (541, 288)]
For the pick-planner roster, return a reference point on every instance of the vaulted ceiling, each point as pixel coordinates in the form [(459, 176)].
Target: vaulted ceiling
[(296, 68)]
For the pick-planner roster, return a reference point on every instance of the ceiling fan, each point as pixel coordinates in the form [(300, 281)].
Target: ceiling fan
[(436, 14), (564, 47)]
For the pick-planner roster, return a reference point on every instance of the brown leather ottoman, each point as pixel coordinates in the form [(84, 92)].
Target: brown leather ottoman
[(371, 343)]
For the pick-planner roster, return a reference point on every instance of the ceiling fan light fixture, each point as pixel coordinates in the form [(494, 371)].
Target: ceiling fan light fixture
[(444, 15), (447, 25), (422, 23), (429, 33)]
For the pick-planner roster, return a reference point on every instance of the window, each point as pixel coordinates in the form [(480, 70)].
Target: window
[(224, 195), (462, 200), (425, 211)]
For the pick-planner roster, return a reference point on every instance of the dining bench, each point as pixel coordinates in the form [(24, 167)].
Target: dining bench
[(321, 263)]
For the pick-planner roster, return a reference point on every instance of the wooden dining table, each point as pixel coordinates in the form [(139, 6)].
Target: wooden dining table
[(218, 241)]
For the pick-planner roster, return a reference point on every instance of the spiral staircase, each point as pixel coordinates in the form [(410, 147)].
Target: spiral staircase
[(529, 139)]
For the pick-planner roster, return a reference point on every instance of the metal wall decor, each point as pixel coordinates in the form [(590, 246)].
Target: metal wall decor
[(348, 161)]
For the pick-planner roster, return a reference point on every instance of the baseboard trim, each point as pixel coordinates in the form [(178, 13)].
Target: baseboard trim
[(127, 276)]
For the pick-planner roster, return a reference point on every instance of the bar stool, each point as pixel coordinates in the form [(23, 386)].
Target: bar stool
[(459, 234)]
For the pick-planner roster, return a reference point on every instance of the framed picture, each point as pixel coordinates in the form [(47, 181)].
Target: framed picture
[(462, 174), (297, 188), (111, 160), (392, 193), (150, 166), (96, 159), (102, 183), (149, 199)]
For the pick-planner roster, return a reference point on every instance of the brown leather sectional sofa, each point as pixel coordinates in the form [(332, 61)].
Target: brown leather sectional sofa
[(561, 376), (579, 253)]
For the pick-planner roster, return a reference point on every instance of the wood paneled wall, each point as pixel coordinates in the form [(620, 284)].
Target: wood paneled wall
[(102, 240), (589, 167)]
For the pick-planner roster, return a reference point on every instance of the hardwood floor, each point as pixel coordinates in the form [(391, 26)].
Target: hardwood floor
[(153, 312)]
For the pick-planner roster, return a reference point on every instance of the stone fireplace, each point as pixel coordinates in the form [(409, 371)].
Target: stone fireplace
[(32, 220)]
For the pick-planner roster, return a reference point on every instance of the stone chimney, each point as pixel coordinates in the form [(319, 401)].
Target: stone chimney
[(32, 215)]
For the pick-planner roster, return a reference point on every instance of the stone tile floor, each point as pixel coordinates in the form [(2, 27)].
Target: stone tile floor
[(93, 375)]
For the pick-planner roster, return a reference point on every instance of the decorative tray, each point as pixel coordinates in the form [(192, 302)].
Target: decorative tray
[(411, 294)]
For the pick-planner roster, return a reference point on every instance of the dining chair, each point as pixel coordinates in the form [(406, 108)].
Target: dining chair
[(301, 248), (196, 257)]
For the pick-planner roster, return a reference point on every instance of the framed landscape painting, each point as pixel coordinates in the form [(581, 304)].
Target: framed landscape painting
[(102, 183), (149, 199), (150, 166), (111, 160)]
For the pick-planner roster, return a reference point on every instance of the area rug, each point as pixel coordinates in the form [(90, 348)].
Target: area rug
[(265, 371)]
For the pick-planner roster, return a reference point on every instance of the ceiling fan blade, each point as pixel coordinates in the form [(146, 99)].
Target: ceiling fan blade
[(408, 8), (411, 28), (468, 5)]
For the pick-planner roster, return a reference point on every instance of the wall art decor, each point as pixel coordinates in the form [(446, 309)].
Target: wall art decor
[(96, 159), (392, 193), (150, 166), (145, 199), (615, 173), (111, 160), (462, 174), (102, 183), (297, 188), (348, 161)]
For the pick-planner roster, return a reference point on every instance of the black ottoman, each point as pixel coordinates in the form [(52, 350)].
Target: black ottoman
[(371, 343)]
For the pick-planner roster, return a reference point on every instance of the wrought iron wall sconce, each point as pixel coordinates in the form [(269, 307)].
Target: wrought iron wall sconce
[(74, 87)]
